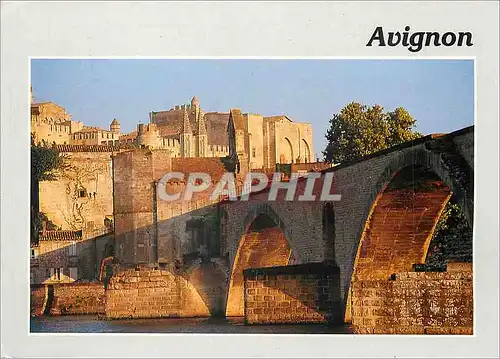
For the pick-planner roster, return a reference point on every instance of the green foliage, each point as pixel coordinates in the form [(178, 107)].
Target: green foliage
[(46, 161), (359, 130), (452, 240)]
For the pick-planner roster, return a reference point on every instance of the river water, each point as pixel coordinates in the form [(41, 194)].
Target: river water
[(92, 324)]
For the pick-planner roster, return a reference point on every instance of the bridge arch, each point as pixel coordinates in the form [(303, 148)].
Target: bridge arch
[(264, 241), (402, 213), (204, 283)]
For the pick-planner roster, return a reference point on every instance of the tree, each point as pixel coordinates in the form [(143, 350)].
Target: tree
[(359, 130), (452, 240), (46, 162)]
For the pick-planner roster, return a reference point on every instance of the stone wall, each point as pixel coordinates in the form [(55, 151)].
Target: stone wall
[(76, 259), (38, 297), (51, 123), (153, 293), (299, 136), (464, 142), (67, 298), (255, 140), (306, 293), (60, 133), (414, 303), (78, 298), (149, 229), (359, 183), (82, 196), (267, 248), (307, 167)]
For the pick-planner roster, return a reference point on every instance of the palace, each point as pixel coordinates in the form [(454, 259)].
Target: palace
[(186, 130)]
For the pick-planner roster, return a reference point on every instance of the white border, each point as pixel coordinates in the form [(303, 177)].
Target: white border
[(29, 29)]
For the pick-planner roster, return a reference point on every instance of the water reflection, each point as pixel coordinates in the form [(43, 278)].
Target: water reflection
[(92, 324)]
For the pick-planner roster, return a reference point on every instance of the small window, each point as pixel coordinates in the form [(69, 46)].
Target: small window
[(72, 249), (253, 152), (73, 273), (81, 193), (33, 253)]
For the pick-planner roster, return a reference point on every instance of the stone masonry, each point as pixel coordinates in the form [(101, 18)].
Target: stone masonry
[(150, 293), (78, 298), (362, 185), (305, 293), (162, 268), (148, 231), (415, 303), (68, 298)]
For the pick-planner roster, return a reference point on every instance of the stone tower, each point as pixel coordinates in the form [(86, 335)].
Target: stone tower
[(202, 137), (186, 137), (237, 142), (195, 104), (147, 135), (115, 126)]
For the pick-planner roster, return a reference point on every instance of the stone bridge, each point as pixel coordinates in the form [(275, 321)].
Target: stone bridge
[(390, 204)]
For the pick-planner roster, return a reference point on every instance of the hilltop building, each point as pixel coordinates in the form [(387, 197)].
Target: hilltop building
[(254, 141), (257, 141)]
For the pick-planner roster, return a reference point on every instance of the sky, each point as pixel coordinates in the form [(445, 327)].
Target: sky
[(439, 94)]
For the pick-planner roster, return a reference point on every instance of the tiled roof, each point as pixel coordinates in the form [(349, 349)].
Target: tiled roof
[(172, 121), (216, 123), (95, 148), (211, 165), (60, 235)]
